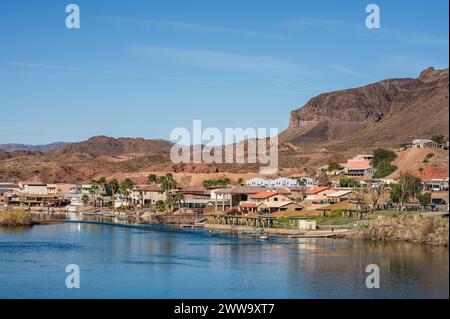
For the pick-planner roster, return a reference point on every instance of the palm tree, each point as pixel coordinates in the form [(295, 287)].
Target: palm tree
[(113, 186), (168, 184), (125, 189), (102, 187), (160, 206), (93, 190), (152, 179), (85, 199), (178, 198), (301, 182)]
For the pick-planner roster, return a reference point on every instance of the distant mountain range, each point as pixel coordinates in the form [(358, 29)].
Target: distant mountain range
[(31, 148), (330, 127)]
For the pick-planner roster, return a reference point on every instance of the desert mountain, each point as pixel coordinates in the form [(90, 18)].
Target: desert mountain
[(31, 148), (385, 113), (108, 146), (330, 127)]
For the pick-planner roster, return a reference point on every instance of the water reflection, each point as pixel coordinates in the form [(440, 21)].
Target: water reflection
[(161, 262)]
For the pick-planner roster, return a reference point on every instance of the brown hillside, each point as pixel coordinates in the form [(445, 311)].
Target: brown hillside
[(385, 113)]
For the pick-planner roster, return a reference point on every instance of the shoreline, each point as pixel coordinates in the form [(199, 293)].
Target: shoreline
[(297, 233)]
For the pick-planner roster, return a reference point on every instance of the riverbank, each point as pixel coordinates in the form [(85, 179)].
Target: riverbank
[(280, 231), (16, 218), (432, 230)]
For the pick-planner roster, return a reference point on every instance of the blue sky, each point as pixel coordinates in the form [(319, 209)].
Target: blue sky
[(142, 68)]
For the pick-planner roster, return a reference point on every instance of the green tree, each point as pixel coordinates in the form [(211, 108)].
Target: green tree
[(168, 184), (348, 182), (102, 185), (384, 168), (381, 154), (334, 166), (322, 178), (93, 190), (438, 139), (113, 186), (152, 179), (301, 181), (424, 199), (160, 206), (222, 182), (125, 189), (85, 199), (407, 187)]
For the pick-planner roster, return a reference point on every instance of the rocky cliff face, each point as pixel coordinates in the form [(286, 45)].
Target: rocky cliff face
[(391, 111)]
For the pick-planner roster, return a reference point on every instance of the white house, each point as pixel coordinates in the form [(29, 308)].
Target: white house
[(278, 182), (35, 188), (423, 143)]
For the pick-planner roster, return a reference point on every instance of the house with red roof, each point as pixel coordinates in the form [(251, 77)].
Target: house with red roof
[(318, 193), (358, 166)]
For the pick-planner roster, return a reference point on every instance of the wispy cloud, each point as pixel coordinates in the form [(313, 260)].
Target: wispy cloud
[(66, 68), (348, 71), (41, 66), (359, 29), (190, 27), (218, 60)]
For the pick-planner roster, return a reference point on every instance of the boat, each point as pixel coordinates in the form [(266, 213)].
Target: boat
[(264, 235)]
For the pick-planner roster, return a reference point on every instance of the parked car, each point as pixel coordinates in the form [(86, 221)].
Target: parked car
[(438, 201)]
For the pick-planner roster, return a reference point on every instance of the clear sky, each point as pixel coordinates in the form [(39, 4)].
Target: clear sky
[(142, 68)]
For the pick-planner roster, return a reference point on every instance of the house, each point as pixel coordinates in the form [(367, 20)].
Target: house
[(358, 167), (437, 184), (424, 143), (147, 195), (235, 195), (6, 188), (303, 223), (9, 187), (268, 196), (257, 182), (195, 192), (272, 183), (35, 188), (307, 181), (86, 189), (66, 189), (340, 196), (196, 205), (318, 193), (270, 207)]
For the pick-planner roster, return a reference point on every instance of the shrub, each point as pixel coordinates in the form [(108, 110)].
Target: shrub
[(15, 218)]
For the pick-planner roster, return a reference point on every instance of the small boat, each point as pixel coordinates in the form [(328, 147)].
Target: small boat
[(264, 236)]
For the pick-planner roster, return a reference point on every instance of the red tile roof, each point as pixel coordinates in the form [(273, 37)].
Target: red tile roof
[(316, 190), (358, 164), (263, 195)]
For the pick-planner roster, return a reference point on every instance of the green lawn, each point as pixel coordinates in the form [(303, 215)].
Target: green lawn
[(337, 219)]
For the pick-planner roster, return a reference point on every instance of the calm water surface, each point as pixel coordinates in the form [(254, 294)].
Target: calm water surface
[(162, 262)]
